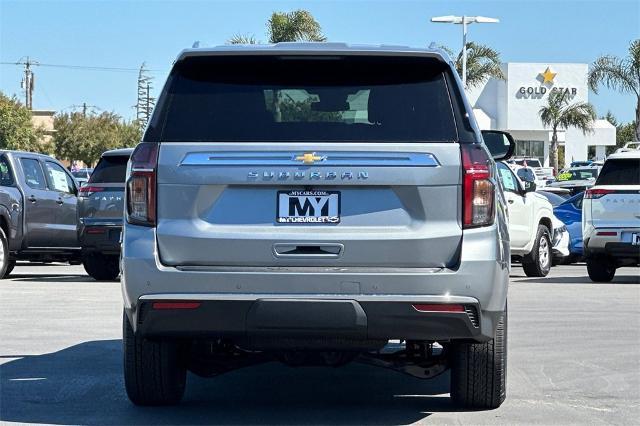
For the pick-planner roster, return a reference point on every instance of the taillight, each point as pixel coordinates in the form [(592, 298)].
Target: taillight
[(141, 186), (595, 193), (85, 191), (477, 188)]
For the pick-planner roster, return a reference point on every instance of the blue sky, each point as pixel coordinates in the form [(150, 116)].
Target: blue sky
[(126, 33)]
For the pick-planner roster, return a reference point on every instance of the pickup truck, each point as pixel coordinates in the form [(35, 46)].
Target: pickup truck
[(531, 230), (38, 220)]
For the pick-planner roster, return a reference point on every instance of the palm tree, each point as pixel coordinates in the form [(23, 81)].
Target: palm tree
[(242, 39), (619, 74), (299, 25), (483, 62), (560, 114)]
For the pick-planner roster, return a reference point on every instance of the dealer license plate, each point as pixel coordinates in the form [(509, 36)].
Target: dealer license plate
[(308, 206)]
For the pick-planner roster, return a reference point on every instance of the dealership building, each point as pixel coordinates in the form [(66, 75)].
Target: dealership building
[(513, 104)]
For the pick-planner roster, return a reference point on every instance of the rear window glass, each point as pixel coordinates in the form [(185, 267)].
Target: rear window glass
[(620, 172), (110, 169), (6, 177), (529, 163), (288, 99)]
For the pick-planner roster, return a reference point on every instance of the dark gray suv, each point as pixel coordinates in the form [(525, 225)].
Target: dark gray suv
[(100, 214), (308, 203)]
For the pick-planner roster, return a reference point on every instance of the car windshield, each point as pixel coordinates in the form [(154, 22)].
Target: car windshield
[(620, 172), (297, 98), (578, 174), (80, 174)]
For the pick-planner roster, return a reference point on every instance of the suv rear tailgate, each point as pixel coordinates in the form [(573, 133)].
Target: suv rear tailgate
[(405, 213)]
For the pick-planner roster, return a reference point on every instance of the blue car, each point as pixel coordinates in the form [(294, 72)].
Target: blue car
[(570, 212)]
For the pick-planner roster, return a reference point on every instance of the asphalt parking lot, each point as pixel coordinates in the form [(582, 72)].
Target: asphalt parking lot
[(573, 359)]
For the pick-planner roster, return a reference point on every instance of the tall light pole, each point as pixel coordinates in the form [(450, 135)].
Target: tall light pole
[(464, 20)]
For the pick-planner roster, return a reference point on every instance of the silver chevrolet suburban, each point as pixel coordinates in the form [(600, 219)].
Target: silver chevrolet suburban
[(316, 204)]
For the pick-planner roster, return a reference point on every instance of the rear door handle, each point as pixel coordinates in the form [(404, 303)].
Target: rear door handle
[(308, 250), (32, 198), (510, 201), (60, 201)]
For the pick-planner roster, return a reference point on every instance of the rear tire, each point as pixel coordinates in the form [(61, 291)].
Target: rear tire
[(600, 269), (5, 262), (10, 266), (479, 371), (538, 262), (154, 370), (101, 267)]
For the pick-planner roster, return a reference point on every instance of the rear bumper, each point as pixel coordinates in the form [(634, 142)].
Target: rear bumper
[(617, 244), (303, 323), (100, 236), (383, 297)]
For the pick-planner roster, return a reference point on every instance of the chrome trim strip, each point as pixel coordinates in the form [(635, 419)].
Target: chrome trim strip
[(311, 296), (329, 158)]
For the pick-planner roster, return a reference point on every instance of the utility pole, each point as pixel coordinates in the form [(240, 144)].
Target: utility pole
[(145, 103), (85, 108), (28, 82)]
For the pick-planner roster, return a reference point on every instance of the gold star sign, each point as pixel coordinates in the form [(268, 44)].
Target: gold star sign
[(548, 76)]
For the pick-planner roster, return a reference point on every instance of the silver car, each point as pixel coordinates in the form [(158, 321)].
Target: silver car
[(310, 203)]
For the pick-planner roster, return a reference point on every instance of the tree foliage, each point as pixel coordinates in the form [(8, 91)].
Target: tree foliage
[(560, 114), (299, 25), (16, 129), (625, 132), (86, 137), (243, 39), (483, 62), (621, 74)]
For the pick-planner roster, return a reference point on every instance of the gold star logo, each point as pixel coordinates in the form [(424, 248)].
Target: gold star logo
[(309, 158), (548, 76)]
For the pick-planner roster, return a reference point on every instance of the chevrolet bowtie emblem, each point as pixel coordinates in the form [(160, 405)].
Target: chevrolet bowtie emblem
[(310, 158)]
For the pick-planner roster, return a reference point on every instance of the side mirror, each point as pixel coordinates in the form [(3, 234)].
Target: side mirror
[(529, 186), (500, 144)]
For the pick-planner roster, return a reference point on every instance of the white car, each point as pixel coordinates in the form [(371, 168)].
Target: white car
[(611, 217), (629, 146), (543, 174), (530, 223)]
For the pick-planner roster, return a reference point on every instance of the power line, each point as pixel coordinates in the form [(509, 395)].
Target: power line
[(84, 67)]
